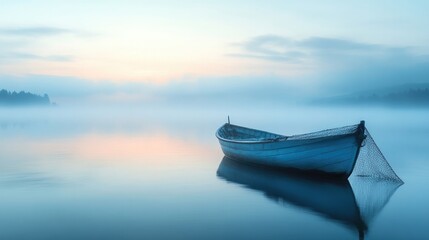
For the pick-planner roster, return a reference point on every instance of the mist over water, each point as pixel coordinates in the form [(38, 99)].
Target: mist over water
[(108, 114), (150, 171)]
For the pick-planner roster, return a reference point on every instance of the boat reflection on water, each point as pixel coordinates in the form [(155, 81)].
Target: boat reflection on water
[(354, 202)]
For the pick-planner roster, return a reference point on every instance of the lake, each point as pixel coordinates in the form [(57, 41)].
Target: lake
[(155, 172)]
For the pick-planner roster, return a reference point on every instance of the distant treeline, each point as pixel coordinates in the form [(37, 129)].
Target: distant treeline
[(413, 96), (22, 98), (410, 97)]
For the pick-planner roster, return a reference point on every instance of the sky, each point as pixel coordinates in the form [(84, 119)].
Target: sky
[(58, 45)]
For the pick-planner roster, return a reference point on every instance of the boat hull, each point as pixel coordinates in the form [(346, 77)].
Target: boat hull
[(331, 155)]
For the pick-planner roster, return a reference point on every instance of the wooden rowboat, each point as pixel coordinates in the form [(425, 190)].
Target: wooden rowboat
[(332, 151)]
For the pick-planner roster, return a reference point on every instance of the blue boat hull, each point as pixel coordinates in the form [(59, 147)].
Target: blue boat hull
[(331, 155)]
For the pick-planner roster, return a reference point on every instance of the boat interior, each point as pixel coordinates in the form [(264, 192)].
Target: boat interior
[(234, 132), (238, 133)]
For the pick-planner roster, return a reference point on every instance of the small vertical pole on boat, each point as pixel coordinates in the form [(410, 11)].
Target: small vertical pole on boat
[(228, 120), (362, 125), (361, 133)]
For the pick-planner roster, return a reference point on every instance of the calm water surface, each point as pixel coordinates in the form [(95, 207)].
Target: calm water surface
[(158, 174)]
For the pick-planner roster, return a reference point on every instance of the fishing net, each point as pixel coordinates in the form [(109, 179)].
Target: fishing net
[(326, 133), (372, 163), (372, 194)]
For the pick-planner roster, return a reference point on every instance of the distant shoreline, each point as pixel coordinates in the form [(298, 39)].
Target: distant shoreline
[(418, 97), (13, 98)]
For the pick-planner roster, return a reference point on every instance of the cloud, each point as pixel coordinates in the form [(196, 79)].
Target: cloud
[(333, 44), (344, 66), (34, 31), (9, 56), (17, 43), (269, 47), (339, 65), (278, 48)]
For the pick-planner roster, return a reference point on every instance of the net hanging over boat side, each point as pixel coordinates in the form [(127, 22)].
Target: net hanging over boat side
[(326, 133), (372, 163)]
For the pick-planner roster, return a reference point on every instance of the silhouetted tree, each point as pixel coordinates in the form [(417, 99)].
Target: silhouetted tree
[(22, 98)]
